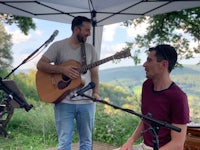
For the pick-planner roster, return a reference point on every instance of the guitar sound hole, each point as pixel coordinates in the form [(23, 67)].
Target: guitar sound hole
[(63, 84), (65, 78)]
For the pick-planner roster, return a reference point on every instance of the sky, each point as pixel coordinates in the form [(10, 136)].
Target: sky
[(113, 40)]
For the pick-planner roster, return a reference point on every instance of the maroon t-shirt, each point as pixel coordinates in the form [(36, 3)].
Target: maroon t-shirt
[(169, 105)]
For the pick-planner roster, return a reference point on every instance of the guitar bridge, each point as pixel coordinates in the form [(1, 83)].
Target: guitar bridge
[(53, 80)]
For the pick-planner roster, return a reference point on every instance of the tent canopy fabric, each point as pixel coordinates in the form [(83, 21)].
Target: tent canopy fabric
[(103, 12)]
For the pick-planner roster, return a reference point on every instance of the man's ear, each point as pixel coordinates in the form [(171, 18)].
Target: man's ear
[(165, 63), (77, 29)]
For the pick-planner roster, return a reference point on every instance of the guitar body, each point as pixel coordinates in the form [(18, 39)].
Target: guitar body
[(52, 88)]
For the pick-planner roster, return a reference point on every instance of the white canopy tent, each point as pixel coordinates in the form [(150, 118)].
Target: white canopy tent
[(102, 12)]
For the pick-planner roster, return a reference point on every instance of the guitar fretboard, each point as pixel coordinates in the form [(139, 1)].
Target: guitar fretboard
[(97, 63)]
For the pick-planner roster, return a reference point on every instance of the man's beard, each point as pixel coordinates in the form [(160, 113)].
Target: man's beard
[(80, 38)]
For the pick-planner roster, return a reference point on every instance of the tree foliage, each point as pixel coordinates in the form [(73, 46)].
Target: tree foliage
[(24, 23), (27, 84), (5, 49), (178, 28)]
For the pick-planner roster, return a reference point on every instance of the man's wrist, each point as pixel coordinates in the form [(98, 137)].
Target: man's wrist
[(95, 93)]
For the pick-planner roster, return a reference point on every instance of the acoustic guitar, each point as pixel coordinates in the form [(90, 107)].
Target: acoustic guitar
[(52, 88)]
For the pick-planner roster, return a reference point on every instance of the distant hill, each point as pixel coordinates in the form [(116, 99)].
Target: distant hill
[(187, 77), (108, 75), (138, 73), (187, 69)]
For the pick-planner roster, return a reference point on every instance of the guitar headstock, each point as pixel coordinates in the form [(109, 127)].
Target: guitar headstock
[(122, 54)]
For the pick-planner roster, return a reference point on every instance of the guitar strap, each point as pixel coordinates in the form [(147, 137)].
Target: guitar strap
[(83, 57)]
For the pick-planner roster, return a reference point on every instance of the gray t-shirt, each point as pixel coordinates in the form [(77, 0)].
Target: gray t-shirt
[(61, 52)]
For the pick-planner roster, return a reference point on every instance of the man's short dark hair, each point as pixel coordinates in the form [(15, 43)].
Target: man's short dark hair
[(166, 52), (78, 21)]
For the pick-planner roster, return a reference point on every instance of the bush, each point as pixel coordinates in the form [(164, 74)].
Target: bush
[(36, 129), (31, 130), (114, 129)]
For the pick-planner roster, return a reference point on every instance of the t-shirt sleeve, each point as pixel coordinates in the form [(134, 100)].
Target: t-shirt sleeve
[(180, 109), (51, 52)]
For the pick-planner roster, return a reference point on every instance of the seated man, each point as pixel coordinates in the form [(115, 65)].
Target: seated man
[(164, 100)]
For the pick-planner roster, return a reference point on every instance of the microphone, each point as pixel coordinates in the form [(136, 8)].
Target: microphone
[(91, 85), (55, 33)]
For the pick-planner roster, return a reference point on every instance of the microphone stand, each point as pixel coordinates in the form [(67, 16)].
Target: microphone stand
[(25, 60), (154, 126), (15, 96)]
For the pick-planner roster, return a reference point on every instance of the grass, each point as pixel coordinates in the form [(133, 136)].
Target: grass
[(30, 130), (35, 130)]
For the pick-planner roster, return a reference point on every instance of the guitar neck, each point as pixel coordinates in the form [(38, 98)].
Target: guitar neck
[(97, 63)]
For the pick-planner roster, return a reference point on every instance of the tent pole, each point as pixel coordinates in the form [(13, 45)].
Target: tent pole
[(93, 38), (94, 22)]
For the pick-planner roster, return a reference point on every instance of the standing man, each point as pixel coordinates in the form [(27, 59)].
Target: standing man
[(164, 100), (79, 108)]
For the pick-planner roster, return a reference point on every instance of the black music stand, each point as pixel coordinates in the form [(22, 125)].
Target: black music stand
[(15, 96), (13, 99)]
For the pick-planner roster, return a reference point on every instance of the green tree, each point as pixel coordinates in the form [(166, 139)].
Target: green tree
[(26, 82), (5, 49), (178, 28), (24, 24)]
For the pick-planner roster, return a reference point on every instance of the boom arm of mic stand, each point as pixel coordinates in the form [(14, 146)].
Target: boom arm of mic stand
[(154, 126), (25, 60), (144, 117)]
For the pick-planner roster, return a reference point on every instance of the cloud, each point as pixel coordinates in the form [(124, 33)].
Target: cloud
[(109, 32), (23, 45), (133, 31), (38, 32), (109, 50), (17, 35)]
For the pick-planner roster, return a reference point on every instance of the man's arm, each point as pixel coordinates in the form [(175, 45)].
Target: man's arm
[(45, 65), (136, 134), (177, 139), (95, 78)]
